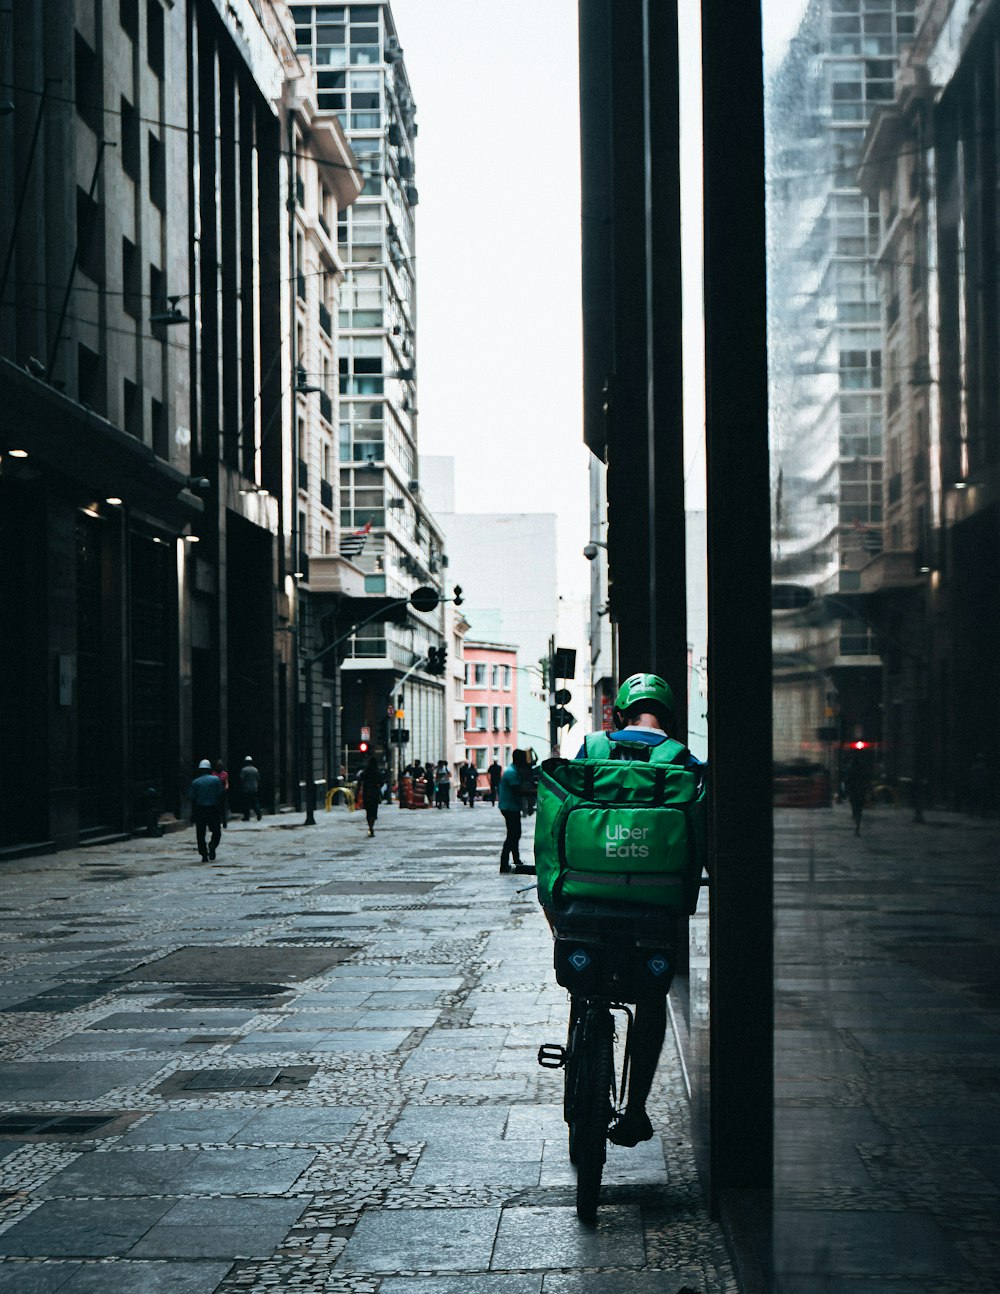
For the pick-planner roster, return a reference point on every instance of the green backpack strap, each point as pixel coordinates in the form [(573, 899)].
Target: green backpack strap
[(597, 745)]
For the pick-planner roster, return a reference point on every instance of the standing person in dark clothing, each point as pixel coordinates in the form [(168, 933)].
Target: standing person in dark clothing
[(205, 794), (442, 785), (856, 781), (370, 783), (511, 790), (494, 773), (250, 789), (470, 776)]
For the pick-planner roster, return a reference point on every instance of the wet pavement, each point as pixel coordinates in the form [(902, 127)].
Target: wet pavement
[(310, 1066)]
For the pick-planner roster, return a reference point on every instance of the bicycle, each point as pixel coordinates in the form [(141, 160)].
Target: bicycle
[(607, 956)]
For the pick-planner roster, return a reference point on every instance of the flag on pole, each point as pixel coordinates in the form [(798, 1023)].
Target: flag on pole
[(352, 545)]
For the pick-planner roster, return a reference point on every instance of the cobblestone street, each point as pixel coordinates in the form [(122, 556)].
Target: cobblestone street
[(310, 1065)]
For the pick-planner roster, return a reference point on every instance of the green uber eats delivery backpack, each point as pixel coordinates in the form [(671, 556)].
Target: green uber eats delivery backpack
[(626, 823)]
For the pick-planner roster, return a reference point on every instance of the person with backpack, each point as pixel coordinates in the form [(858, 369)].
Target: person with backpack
[(511, 791), (651, 867)]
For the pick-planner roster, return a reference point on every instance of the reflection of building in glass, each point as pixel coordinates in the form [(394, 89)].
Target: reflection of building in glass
[(826, 367), (361, 78), (931, 163)]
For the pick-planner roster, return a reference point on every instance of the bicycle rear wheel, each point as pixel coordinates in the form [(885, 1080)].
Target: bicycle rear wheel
[(590, 1107)]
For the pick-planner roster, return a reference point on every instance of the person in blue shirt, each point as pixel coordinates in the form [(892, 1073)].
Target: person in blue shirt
[(643, 714), (205, 794), (512, 786)]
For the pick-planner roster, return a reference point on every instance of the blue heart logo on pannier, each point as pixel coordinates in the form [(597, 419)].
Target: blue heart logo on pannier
[(658, 965), (579, 960)]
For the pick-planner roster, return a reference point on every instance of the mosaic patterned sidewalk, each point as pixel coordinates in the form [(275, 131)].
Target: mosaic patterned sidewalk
[(310, 1066)]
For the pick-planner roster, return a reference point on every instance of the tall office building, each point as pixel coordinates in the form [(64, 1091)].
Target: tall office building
[(362, 79), (826, 364)]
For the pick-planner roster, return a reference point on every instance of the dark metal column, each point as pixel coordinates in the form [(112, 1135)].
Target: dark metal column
[(664, 310), (630, 550), (739, 627)]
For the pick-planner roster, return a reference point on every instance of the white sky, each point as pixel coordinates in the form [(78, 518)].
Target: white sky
[(498, 257)]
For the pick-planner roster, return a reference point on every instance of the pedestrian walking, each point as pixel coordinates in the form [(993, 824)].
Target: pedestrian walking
[(205, 794), (250, 789), (856, 781), (370, 788), (442, 785), (469, 777), (219, 770), (511, 790), (494, 773)]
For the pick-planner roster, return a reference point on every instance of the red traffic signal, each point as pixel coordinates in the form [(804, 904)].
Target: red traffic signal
[(363, 747)]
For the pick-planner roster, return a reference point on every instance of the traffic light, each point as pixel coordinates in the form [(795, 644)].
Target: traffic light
[(437, 658), (457, 598), (363, 747)]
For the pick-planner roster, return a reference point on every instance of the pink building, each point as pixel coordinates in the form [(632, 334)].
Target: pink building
[(490, 704)]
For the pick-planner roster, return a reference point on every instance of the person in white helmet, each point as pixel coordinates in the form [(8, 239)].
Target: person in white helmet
[(205, 794), (250, 788)]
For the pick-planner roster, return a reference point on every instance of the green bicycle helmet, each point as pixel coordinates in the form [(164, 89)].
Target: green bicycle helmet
[(645, 687)]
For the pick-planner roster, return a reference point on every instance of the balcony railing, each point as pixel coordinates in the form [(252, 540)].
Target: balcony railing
[(326, 406), (325, 322), (303, 474), (326, 494)]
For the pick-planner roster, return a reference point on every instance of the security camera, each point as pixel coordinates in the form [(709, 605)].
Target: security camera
[(590, 552)]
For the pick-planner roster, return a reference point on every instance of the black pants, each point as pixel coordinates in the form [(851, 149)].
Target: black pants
[(371, 811), (648, 1033), (207, 816), (511, 844)]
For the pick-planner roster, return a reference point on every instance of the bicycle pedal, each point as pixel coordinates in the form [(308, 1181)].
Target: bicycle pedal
[(551, 1055)]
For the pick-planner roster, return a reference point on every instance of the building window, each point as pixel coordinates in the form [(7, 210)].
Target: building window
[(131, 140), (89, 85), (128, 16), (508, 718), (158, 420), (495, 719), (154, 37), (132, 409), (157, 172), (157, 290), (495, 677), (90, 235), (506, 678), (478, 674), (479, 718), (91, 380), (131, 280)]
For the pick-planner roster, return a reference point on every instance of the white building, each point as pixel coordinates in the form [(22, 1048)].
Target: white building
[(505, 563), (362, 81)]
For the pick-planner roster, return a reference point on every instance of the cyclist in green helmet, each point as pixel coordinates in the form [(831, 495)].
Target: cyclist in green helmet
[(643, 713)]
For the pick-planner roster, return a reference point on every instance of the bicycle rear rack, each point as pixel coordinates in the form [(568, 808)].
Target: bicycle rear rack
[(551, 1055)]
